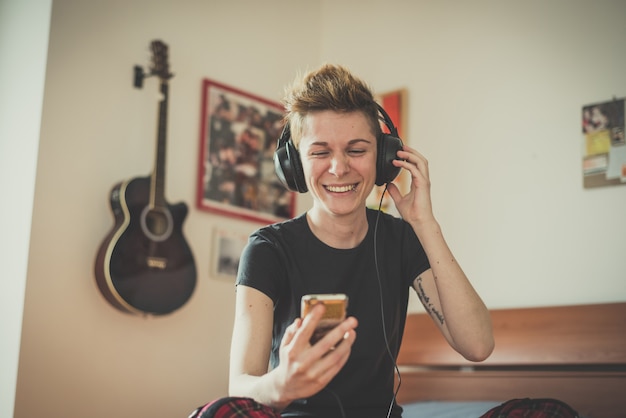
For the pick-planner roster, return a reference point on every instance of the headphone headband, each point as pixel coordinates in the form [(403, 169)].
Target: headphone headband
[(393, 131)]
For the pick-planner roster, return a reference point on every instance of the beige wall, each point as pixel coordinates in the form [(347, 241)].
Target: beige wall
[(495, 93), (496, 90), (79, 356)]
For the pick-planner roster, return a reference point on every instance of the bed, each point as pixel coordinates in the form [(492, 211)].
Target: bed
[(573, 353)]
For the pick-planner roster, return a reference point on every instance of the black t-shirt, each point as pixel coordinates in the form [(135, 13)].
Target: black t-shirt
[(286, 261)]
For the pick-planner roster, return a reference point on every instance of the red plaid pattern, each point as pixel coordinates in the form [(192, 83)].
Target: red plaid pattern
[(532, 408), (234, 407)]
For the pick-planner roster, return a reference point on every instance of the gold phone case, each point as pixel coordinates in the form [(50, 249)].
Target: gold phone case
[(336, 306)]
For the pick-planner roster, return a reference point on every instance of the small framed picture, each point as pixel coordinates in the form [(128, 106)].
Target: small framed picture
[(238, 136), (227, 248)]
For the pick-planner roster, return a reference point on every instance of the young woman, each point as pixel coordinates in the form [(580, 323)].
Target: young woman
[(340, 246)]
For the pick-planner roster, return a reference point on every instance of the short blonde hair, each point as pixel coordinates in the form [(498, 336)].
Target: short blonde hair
[(331, 87)]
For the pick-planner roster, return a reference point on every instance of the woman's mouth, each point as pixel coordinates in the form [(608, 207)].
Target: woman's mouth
[(341, 189)]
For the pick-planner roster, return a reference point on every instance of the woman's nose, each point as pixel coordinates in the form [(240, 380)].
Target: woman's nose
[(339, 165)]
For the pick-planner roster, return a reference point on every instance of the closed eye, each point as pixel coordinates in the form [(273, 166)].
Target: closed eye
[(319, 153), (353, 152)]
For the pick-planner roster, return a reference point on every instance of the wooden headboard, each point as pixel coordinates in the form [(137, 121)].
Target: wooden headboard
[(573, 353)]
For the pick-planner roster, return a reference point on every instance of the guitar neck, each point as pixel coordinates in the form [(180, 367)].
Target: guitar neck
[(157, 195)]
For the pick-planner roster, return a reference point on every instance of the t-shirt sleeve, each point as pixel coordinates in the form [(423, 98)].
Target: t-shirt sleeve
[(260, 266)]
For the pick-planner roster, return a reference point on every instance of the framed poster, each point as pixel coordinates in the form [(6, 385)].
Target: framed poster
[(238, 135)]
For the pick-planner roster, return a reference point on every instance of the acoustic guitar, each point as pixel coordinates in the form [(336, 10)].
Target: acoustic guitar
[(144, 265)]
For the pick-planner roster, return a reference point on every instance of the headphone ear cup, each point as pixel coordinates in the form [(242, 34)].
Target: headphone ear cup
[(296, 168), (388, 147), (288, 166)]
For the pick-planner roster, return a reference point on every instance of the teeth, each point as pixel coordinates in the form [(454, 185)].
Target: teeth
[(340, 189)]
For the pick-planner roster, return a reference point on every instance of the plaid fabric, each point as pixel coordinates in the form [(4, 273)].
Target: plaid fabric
[(532, 408), (234, 407)]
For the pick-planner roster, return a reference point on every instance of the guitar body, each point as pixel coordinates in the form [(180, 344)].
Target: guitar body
[(144, 264)]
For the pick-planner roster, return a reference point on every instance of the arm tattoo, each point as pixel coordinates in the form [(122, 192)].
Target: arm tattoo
[(430, 307)]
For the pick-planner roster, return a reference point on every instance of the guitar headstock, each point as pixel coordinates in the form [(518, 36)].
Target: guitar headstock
[(160, 66)]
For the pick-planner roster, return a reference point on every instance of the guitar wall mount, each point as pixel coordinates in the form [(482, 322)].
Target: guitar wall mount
[(139, 75)]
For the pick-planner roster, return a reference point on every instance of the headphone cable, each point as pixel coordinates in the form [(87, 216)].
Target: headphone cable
[(332, 392), (382, 312)]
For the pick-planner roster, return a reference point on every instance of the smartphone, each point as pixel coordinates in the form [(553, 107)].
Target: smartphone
[(336, 306)]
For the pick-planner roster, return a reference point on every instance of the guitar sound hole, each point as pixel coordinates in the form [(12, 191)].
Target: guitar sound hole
[(156, 223)]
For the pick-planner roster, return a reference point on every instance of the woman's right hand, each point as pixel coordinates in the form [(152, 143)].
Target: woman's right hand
[(306, 369)]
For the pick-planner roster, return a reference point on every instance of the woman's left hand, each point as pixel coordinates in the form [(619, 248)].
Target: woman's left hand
[(415, 206)]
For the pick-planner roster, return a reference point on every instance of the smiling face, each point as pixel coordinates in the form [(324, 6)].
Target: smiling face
[(338, 152)]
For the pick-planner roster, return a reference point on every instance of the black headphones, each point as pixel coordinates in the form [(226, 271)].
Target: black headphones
[(289, 167)]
